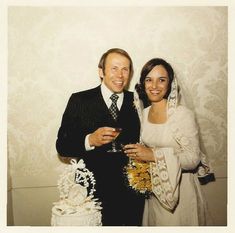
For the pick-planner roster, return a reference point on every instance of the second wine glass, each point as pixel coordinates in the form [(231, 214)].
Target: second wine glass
[(115, 147)]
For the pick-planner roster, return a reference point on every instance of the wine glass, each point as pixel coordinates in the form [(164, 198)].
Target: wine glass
[(115, 147)]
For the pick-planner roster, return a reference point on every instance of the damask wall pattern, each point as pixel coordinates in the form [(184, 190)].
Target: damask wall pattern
[(54, 51)]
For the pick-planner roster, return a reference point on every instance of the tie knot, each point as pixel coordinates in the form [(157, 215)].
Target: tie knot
[(114, 98)]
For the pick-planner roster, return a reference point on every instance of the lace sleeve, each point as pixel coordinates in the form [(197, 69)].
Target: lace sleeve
[(165, 176), (185, 133), (169, 161)]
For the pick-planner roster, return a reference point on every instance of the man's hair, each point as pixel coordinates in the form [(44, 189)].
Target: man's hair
[(122, 52)]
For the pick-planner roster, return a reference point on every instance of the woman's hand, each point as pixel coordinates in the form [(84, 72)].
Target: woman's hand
[(139, 152)]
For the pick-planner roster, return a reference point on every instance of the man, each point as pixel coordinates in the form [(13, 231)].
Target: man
[(88, 128)]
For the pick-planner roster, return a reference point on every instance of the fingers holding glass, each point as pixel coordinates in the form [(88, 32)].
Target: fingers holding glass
[(115, 146), (131, 150), (103, 135), (108, 134)]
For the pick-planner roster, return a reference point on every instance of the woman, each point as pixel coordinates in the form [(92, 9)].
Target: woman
[(170, 143)]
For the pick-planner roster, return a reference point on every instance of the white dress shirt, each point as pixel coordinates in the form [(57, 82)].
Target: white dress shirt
[(106, 94)]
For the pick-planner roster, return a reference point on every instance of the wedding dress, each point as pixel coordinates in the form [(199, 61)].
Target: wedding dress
[(176, 199)]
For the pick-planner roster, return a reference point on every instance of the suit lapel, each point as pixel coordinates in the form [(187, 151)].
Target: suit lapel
[(100, 108), (100, 101), (125, 104)]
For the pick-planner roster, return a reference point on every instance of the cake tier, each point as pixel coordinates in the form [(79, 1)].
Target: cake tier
[(78, 219)]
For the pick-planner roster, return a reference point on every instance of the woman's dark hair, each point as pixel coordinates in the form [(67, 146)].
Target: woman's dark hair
[(122, 52), (140, 87)]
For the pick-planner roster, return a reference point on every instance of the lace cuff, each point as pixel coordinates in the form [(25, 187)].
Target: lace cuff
[(165, 177)]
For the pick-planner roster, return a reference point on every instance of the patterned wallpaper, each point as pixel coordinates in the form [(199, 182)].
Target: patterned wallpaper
[(54, 51)]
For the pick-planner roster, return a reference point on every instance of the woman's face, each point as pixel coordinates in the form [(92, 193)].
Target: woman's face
[(156, 83)]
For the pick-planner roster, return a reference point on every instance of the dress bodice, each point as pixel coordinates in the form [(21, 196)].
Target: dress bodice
[(156, 135)]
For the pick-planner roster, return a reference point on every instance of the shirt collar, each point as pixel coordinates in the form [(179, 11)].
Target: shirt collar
[(106, 93)]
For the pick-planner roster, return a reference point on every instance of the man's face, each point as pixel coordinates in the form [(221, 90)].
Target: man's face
[(117, 72)]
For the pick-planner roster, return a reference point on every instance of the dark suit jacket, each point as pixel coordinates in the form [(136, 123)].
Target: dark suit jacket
[(86, 111)]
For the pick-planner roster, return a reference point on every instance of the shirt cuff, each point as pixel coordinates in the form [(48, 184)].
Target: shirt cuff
[(87, 145)]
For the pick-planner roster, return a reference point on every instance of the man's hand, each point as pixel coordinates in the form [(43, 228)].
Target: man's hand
[(101, 136)]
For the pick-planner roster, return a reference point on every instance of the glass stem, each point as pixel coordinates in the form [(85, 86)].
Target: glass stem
[(113, 145)]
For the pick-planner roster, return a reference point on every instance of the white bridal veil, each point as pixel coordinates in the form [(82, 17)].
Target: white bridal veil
[(175, 98)]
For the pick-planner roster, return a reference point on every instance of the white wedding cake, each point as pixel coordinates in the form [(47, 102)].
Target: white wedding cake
[(77, 206)]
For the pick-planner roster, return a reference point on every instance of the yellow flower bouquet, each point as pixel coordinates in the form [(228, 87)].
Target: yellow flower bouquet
[(138, 175)]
